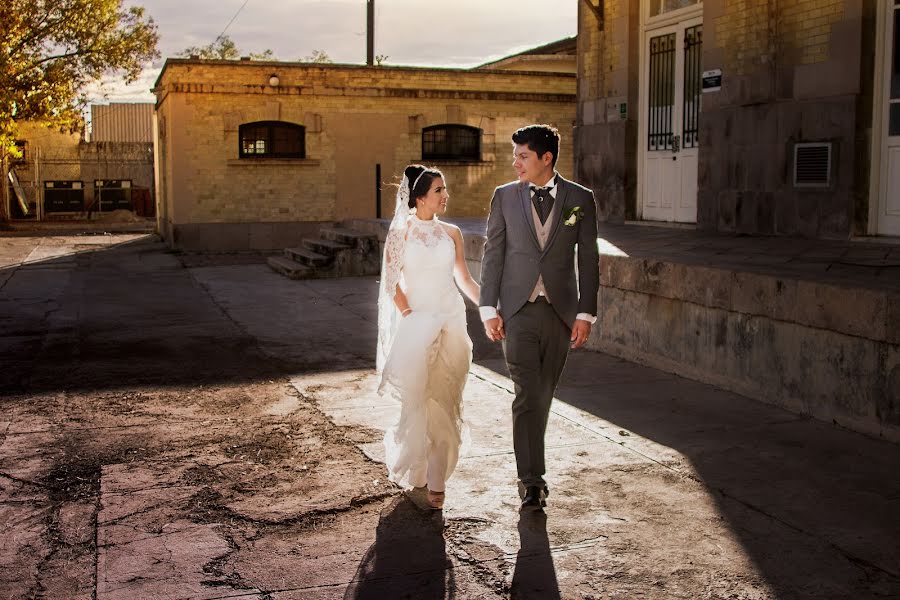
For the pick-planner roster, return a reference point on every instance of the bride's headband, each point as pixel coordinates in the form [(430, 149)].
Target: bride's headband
[(416, 182)]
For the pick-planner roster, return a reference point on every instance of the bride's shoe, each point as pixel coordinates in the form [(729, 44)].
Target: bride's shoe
[(436, 500)]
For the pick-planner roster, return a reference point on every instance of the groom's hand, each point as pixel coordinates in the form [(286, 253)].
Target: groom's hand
[(493, 328), (581, 331)]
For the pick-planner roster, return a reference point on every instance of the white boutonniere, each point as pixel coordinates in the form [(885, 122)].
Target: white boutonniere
[(573, 215)]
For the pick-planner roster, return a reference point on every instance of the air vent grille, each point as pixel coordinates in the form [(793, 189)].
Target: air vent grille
[(812, 165)]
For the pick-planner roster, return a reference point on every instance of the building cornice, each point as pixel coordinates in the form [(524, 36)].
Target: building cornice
[(322, 69), (359, 92)]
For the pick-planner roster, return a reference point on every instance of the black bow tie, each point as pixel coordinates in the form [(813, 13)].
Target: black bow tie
[(543, 201)]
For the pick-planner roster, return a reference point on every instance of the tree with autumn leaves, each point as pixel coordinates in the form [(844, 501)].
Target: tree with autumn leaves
[(51, 50)]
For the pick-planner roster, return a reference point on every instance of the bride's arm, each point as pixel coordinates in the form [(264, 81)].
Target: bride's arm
[(390, 272), (401, 302), (461, 269)]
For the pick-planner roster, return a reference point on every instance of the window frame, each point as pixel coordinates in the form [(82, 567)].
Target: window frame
[(448, 154), (271, 127)]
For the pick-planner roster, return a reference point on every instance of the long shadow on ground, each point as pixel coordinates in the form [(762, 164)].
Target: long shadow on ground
[(129, 315)]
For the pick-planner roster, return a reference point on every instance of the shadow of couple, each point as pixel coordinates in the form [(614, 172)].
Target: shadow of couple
[(409, 559)]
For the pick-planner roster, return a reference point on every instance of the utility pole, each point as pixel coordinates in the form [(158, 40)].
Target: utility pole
[(5, 200), (370, 33)]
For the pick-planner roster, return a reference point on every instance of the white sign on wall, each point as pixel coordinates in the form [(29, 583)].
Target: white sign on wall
[(712, 80)]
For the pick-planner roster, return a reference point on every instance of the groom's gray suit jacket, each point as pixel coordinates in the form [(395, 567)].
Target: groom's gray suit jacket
[(513, 258)]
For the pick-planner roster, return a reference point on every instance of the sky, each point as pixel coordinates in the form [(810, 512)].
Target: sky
[(458, 33)]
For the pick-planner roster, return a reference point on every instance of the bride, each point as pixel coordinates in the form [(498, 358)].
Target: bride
[(424, 350)]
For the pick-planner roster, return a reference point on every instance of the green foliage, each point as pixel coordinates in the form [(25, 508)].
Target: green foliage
[(50, 50), (317, 56), (223, 48)]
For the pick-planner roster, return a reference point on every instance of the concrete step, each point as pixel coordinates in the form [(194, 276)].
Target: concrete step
[(340, 252), (307, 257), (289, 268), (323, 246), (346, 236)]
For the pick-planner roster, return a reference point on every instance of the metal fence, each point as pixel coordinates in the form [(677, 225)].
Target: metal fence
[(100, 177)]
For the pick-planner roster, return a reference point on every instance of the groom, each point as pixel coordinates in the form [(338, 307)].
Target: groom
[(529, 274)]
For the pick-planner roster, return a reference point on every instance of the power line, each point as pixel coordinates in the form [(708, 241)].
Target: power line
[(218, 37)]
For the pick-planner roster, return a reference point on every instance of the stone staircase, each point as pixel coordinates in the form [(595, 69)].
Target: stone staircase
[(337, 252)]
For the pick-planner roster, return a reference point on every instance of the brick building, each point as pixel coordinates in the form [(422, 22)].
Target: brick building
[(256, 155), (760, 117)]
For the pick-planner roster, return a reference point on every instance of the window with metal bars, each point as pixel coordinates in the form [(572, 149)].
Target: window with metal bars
[(661, 93), (693, 51), (272, 139), (451, 142)]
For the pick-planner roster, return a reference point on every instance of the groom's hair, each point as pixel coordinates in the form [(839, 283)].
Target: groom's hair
[(540, 139)]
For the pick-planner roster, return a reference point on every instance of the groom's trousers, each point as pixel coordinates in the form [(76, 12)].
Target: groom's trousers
[(536, 346)]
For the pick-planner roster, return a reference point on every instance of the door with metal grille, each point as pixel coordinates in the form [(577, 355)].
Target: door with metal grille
[(888, 222), (671, 107)]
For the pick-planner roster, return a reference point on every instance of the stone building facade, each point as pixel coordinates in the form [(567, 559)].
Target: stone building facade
[(346, 134), (759, 117)]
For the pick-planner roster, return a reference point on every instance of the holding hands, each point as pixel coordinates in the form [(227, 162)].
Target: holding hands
[(493, 328)]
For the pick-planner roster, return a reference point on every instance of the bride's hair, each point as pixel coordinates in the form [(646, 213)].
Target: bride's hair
[(420, 178)]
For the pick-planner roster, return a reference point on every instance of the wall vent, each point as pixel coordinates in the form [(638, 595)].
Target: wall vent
[(812, 164)]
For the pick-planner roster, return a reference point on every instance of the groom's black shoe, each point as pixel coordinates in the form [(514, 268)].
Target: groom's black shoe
[(535, 498)]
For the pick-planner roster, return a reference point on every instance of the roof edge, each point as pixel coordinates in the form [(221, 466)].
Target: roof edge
[(349, 67)]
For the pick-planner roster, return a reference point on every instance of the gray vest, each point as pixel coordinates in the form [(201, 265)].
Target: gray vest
[(543, 234)]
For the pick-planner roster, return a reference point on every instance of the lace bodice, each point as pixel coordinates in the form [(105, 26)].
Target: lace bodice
[(422, 262), (426, 233)]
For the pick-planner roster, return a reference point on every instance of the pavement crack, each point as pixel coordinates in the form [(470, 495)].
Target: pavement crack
[(216, 568), (22, 481), (136, 513), (311, 516), (865, 564), (95, 555), (797, 529), (15, 269)]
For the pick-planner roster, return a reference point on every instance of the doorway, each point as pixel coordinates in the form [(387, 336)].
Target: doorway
[(669, 142), (886, 180)]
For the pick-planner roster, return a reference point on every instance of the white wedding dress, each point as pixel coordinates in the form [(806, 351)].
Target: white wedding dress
[(429, 357)]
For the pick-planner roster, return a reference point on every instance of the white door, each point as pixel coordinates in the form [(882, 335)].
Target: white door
[(889, 204), (671, 107)]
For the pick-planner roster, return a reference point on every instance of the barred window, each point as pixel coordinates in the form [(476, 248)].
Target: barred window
[(454, 142), (272, 139)]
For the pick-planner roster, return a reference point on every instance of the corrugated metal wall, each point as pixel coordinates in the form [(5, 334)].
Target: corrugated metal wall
[(122, 122)]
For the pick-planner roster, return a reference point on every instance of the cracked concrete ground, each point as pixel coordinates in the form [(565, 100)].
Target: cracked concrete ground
[(179, 426)]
